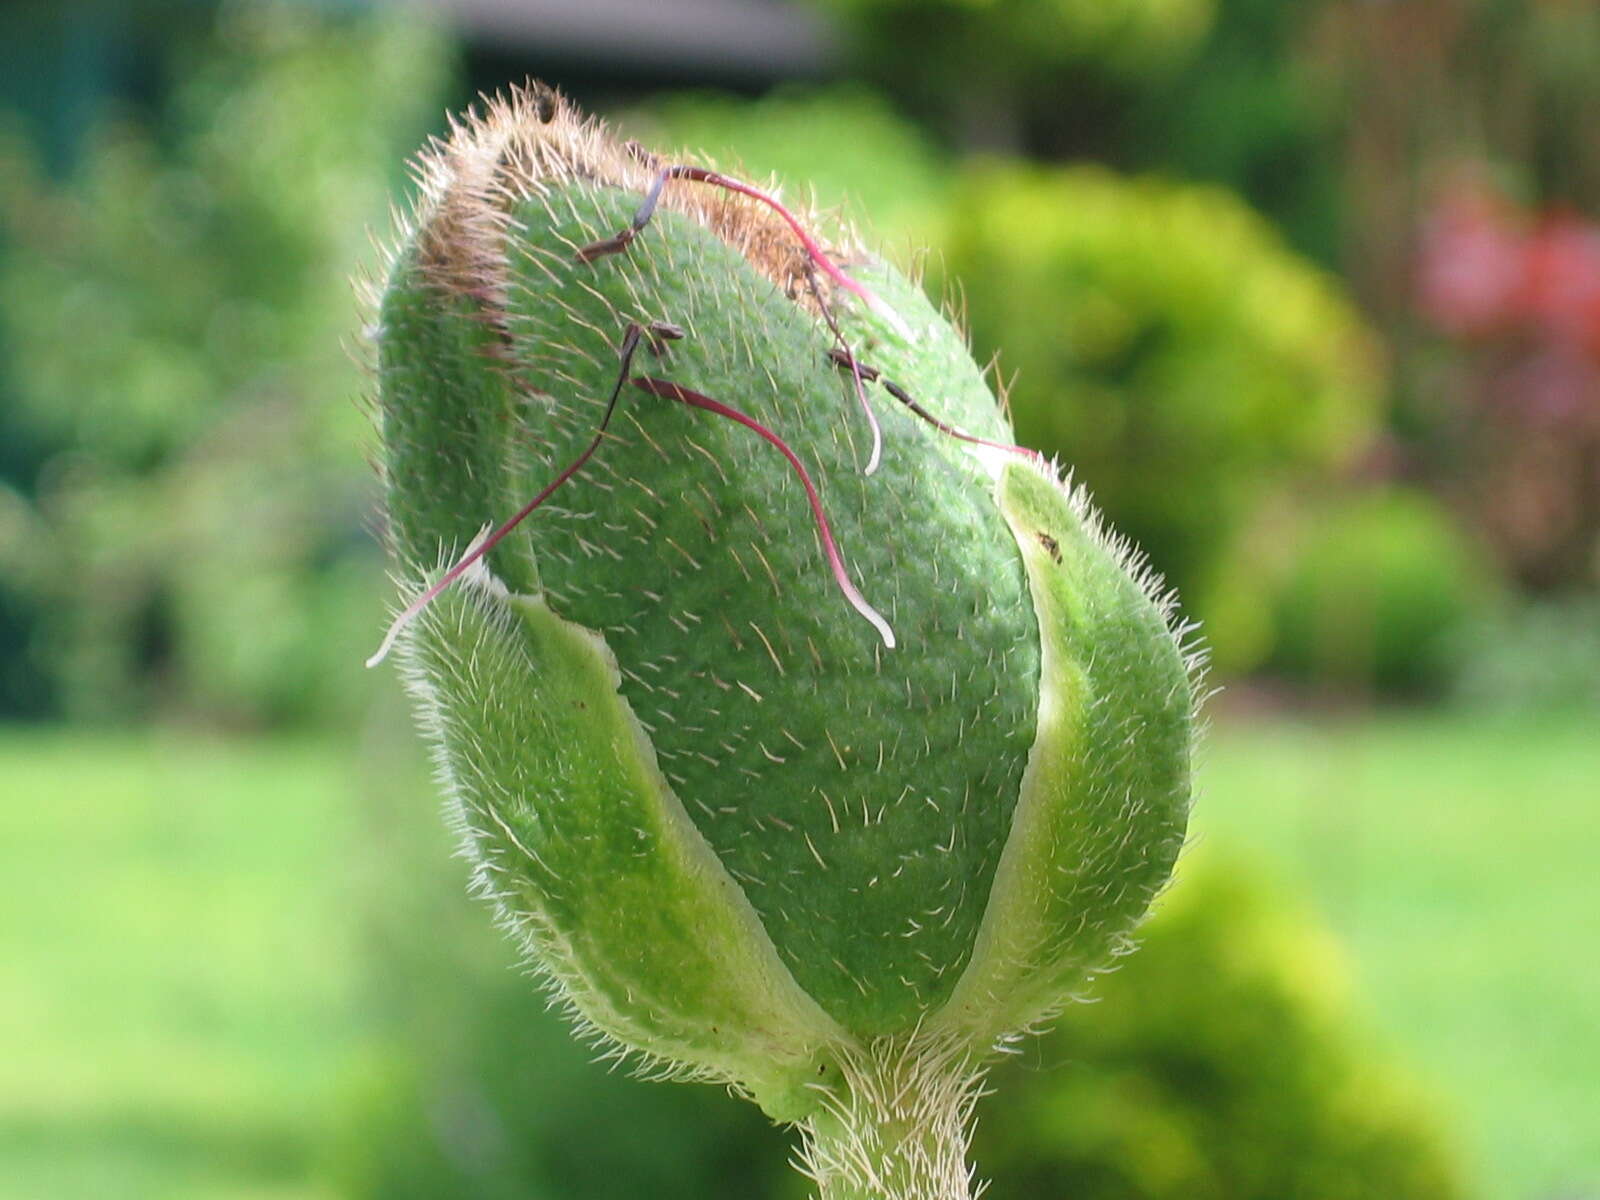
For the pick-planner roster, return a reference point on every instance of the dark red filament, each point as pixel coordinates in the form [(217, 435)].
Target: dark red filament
[(674, 391), (861, 370), (630, 343)]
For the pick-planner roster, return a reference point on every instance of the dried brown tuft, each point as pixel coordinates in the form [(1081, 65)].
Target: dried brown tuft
[(523, 144)]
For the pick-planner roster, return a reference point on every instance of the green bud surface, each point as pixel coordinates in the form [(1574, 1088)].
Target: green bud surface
[(741, 833)]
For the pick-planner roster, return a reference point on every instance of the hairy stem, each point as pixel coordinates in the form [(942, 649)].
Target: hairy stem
[(896, 1127)]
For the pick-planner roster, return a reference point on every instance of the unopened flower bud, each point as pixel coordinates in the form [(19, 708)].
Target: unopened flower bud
[(810, 737)]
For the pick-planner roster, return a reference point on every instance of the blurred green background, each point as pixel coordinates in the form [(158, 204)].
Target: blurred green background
[(1308, 294)]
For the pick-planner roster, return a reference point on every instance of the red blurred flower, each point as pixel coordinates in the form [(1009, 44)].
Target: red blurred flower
[(1563, 281), (1471, 271)]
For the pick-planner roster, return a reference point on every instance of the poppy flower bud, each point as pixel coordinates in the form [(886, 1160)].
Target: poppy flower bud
[(819, 781)]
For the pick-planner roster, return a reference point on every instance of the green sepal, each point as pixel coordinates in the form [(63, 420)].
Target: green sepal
[(590, 857), (1105, 797)]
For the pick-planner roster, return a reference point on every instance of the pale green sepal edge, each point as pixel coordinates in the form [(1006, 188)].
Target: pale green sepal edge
[(1105, 796), (592, 860)]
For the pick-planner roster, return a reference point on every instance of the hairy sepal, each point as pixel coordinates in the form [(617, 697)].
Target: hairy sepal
[(1105, 798), (591, 859)]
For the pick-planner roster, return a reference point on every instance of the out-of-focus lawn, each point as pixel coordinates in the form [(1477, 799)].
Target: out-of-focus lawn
[(175, 965), (1456, 857), (178, 939)]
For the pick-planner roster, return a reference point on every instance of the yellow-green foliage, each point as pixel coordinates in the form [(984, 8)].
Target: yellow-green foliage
[(1165, 345), (1222, 1062)]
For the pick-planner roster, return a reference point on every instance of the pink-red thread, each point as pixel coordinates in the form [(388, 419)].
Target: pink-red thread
[(674, 391)]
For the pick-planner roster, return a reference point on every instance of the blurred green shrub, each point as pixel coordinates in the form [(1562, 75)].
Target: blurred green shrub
[(1168, 347), (1253, 109), (1381, 595), (176, 315), (1220, 91), (510, 1107), (1220, 1062), (1024, 40)]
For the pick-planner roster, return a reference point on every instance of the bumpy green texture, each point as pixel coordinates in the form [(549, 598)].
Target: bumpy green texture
[(743, 835), (797, 742)]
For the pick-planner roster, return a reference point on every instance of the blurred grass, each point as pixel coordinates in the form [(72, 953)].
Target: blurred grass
[(179, 939), (177, 968), (1456, 858)]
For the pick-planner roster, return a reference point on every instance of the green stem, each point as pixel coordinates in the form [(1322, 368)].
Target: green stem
[(897, 1125)]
